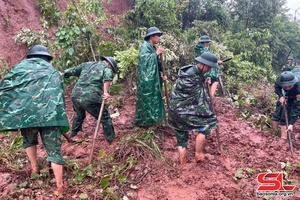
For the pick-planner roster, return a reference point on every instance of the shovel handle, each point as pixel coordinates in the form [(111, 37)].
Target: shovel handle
[(288, 132), (96, 131), (67, 138)]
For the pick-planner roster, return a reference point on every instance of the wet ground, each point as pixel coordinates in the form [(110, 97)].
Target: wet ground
[(249, 150)]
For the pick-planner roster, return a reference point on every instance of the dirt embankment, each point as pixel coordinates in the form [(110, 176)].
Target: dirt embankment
[(17, 14)]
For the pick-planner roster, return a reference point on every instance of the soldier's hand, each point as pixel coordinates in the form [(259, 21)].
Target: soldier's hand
[(159, 50), (290, 128), (207, 80), (106, 96), (220, 62), (164, 77), (282, 100)]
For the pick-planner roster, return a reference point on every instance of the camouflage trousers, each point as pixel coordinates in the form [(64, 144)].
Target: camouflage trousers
[(81, 106), (182, 137), (278, 114), (51, 138)]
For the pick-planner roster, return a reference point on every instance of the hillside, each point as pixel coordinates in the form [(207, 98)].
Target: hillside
[(133, 167), (19, 14)]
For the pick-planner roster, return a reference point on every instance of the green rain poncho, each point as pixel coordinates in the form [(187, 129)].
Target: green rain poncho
[(190, 105), (214, 72), (149, 103), (32, 95)]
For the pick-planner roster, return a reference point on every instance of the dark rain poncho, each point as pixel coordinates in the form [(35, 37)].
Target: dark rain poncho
[(149, 103), (32, 95), (190, 105)]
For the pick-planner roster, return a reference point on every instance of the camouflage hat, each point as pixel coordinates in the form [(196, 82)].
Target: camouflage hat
[(209, 59), (111, 61), (39, 50), (204, 39), (290, 58), (151, 31), (287, 79)]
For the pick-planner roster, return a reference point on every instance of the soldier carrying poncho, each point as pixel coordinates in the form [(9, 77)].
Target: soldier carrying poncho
[(149, 103), (32, 99), (190, 105)]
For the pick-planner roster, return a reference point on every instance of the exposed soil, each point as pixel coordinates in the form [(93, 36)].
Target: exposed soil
[(17, 14), (248, 149)]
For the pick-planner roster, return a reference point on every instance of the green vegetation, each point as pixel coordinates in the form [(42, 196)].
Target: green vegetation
[(258, 35)]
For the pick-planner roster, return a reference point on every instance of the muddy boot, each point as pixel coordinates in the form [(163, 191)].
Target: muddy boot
[(182, 155)]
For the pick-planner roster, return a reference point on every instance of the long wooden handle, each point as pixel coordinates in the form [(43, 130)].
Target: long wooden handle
[(217, 131), (164, 81), (96, 131), (287, 125), (67, 138)]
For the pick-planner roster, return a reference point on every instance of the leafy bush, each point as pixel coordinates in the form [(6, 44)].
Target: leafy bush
[(159, 13), (4, 68), (30, 37), (128, 64)]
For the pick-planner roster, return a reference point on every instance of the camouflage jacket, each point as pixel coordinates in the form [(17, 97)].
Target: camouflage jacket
[(91, 75), (214, 72), (288, 66), (32, 95), (200, 49), (293, 102), (149, 103), (190, 105)]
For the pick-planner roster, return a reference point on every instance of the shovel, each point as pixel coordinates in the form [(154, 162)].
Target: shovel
[(96, 131), (288, 132), (224, 160)]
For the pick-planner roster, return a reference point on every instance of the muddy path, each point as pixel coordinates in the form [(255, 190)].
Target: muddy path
[(249, 150)]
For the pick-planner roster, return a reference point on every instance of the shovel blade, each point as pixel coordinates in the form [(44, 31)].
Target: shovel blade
[(225, 161)]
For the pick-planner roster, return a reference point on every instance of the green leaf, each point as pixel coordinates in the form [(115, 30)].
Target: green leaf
[(34, 175), (239, 173), (24, 184), (104, 183), (83, 196), (101, 153)]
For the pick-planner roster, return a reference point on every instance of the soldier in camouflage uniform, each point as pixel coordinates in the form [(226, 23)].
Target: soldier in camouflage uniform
[(289, 64), (287, 88), (213, 74), (32, 99), (278, 90), (149, 103), (190, 105), (92, 86)]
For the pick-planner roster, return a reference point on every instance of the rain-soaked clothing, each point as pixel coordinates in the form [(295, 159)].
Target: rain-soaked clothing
[(288, 66), (149, 103), (292, 104), (190, 105), (32, 95), (87, 95), (32, 99), (214, 72), (51, 138)]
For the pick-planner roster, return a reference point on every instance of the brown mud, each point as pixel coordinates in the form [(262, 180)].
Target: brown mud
[(249, 150)]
